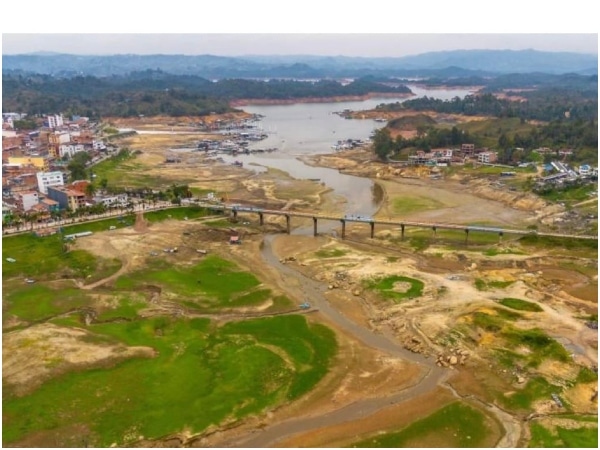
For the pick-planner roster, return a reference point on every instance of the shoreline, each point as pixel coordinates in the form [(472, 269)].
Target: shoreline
[(335, 99)]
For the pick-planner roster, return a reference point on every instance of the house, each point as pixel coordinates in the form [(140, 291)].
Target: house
[(113, 200), (41, 212), (26, 200), (67, 198), (49, 205)]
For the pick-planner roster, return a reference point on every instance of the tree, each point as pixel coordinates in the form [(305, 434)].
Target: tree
[(90, 190), (77, 170), (77, 166), (383, 143), (503, 141)]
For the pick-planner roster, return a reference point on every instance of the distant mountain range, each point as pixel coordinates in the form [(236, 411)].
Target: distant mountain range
[(440, 64)]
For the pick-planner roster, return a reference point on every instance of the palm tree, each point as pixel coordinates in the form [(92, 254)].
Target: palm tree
[(90, 190)]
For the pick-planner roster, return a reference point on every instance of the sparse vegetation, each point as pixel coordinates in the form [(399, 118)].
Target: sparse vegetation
[(484, 285), (455, 425), (330, 253), (387, 287), (520, 305), (564, 437)]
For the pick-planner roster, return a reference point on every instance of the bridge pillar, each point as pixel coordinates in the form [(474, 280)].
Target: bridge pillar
[(287, 223), (402, 228), (372, 229), (466, 235), (314, 226), (343, 228), (261, 218)]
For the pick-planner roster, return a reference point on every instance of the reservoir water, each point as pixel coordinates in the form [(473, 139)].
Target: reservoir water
[(312, 128)]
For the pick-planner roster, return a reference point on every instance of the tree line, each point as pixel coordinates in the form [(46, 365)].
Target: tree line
[(158, 93), (545, 105)]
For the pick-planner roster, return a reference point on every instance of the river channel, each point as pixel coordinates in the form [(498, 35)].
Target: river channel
[(312, 128)]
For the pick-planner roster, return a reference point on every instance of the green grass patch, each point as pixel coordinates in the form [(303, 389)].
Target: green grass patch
[(455, 425), (179, 213), (485, 285), (520, 305), (589, 246), (41, 256), (34, 302), (494, 251), (421, 239), (309, 346), (419, 243), (251, 298), (386, 287), (561, 437), (330, 253), (99, 225), (488, 322), (508, 315), (219, 223), (538, 345), (586, 375), (541, 345), (126, 308), (214, 281), (536, 388), (121, 171), (571, 193), (409, 205), (201, 375)]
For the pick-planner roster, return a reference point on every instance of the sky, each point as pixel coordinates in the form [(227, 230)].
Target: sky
[(326, 27)]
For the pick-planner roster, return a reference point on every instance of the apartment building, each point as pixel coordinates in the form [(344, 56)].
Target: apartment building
[(67, 198), (46, 179)]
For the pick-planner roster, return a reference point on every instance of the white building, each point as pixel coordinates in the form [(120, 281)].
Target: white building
[(487, 157), (70, 149), (46, 179), (98, 145), (62, 137), (113, 200), (55, 121), (27, 200)]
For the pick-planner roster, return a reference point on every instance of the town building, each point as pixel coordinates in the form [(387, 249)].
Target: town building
[(26, 200), (55, 121), (487, 157), (70, 149), (120, 200), (39, 162), (67, 198), (46, 179)]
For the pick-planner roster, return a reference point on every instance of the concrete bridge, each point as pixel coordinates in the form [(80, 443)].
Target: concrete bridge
[(235, 209)]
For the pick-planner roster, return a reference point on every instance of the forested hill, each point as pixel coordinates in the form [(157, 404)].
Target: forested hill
[(155, 92), (474, 62)]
